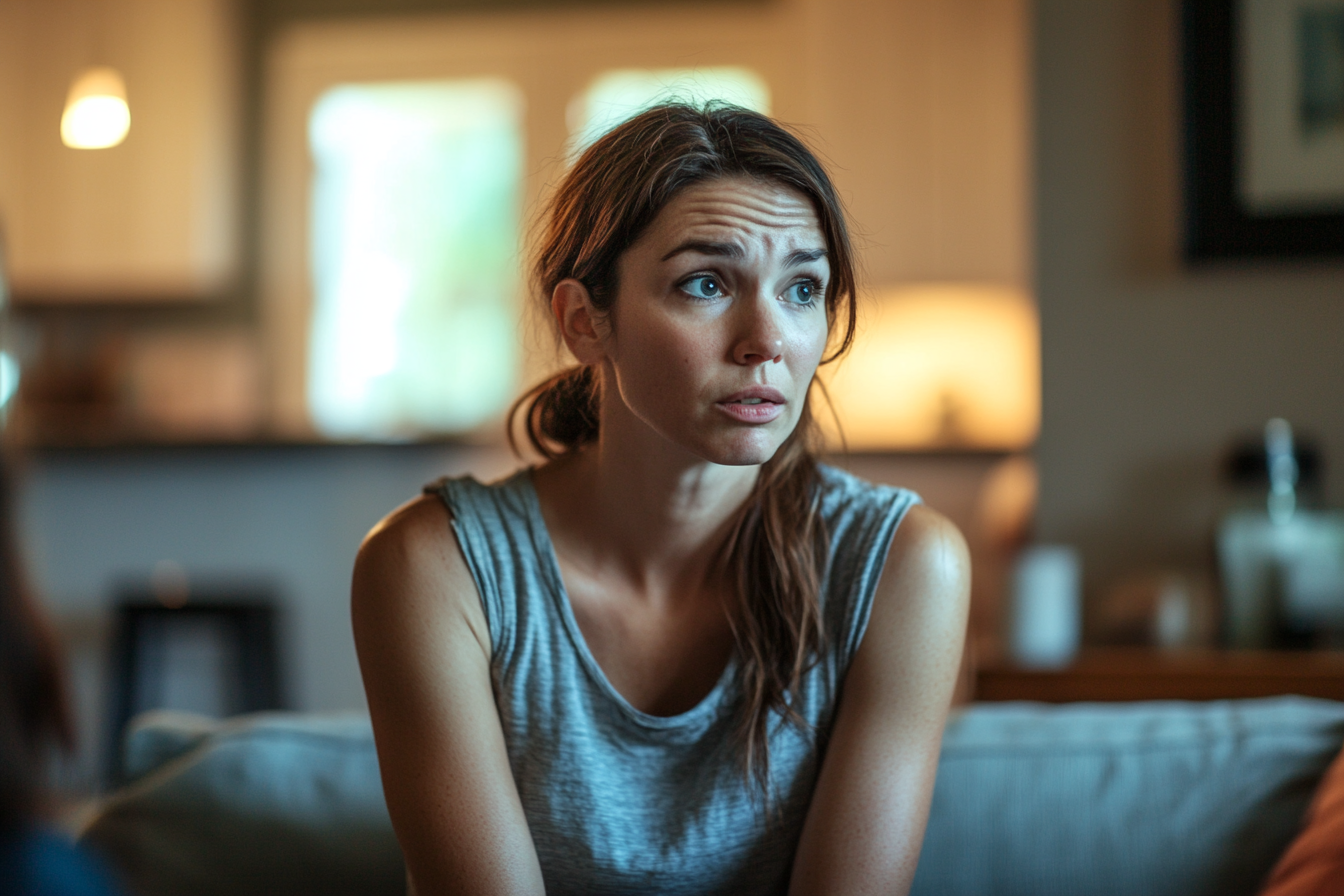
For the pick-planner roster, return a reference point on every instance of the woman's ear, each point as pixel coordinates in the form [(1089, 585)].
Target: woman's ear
[(581, 324)]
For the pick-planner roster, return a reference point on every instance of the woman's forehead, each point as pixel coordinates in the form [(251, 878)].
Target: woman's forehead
[(738, 210)]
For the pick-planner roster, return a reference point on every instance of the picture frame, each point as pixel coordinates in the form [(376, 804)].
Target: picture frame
[(216, 655), (1263, 147)]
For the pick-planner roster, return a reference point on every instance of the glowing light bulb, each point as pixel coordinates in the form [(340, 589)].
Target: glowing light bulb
[(96, 115)]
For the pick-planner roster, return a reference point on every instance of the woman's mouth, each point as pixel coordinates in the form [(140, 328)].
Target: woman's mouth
[(759, 404)]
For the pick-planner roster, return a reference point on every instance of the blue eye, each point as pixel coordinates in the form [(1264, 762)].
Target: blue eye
[(703, 287), (804, 292)]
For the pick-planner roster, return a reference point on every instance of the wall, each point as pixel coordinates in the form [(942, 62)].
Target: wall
[(154, 217), (922, 110), (1149, 366)]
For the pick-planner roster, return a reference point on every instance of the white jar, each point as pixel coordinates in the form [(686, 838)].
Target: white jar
[(1045, 609)]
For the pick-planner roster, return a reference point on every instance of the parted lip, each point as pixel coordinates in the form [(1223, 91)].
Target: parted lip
[(764, 393)]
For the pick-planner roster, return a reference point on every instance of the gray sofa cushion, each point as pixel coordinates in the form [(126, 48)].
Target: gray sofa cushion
[(269, 803), (1142, 798)]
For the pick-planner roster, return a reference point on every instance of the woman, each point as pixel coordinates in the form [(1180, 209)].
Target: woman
[(621, 671)]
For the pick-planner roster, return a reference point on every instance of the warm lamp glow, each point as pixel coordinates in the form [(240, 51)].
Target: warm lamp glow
[(939, 366), (96, 115)]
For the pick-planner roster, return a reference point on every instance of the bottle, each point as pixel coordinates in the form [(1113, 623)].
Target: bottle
[(1280, 554)]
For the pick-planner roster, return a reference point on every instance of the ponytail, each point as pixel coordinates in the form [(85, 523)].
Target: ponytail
[(561, 413)]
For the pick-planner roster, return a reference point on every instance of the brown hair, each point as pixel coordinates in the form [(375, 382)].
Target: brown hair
[(778, 543), (34, 714)]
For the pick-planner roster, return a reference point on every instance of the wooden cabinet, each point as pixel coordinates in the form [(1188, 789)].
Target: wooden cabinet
[(153, 218), (1148, 674)]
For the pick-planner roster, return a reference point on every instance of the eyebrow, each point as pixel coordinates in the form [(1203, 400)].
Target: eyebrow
[(804, 256), (728, 250), (731, 250)]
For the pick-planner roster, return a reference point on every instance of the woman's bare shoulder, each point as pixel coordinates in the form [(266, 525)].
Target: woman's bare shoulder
[(868, 812), (417, 529), (924, 592), (930, 546), (424, 652), (410, 567)]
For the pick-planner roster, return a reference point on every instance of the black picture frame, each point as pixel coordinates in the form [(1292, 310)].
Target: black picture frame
[(1218, 225), (243, 623)]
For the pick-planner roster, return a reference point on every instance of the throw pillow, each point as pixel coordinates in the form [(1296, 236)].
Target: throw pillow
[(1314, 862)]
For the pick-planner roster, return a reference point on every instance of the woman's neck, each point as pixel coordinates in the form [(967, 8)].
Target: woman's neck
[(636, 506)]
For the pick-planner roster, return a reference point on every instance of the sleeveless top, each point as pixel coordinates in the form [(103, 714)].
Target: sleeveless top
[(619, 801)]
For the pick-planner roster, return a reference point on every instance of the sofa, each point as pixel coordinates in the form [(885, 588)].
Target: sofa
[(1031, 799)]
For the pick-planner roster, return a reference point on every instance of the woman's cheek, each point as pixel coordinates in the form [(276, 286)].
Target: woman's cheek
[(809, 349), (664, 367)]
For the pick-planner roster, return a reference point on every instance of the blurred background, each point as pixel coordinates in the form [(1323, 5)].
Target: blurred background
[(264, 264)]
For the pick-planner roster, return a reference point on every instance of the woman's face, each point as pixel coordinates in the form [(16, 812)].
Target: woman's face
[(719, 320)]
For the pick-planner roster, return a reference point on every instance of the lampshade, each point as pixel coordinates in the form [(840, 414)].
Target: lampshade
[(944, 365), (96, 115)]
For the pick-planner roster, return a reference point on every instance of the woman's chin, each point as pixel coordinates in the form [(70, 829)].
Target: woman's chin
[(751, 448)]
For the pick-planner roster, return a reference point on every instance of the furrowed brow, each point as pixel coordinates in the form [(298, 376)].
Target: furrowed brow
[(727, 250), (804, 256)]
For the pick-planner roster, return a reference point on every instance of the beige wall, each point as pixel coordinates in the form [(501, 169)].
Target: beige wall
[(154, 217), (922, 107), (13, 27), (1150, 367)]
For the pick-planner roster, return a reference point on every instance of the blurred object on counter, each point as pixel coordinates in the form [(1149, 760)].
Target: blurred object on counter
[(102, 382), (1045, 606), (196, 385), (1162, 608), (70, 392), (1246, 470), (998, 531), (1280, 554)]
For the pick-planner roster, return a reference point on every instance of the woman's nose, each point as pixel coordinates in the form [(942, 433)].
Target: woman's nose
[(761, 339)]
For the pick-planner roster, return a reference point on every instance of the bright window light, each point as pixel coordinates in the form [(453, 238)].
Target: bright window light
[(9, 378), (415, 227), (622, 93)]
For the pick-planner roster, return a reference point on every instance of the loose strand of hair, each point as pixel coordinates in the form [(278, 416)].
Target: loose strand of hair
[(776, 619)]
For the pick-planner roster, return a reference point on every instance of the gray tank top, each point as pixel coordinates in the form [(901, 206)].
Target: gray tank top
[(619, 801)]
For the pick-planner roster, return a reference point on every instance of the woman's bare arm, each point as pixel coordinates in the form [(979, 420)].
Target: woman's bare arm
[(866, 822), (424, 651)]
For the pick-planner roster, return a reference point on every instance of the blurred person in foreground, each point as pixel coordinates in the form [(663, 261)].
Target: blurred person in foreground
[(36, 858)]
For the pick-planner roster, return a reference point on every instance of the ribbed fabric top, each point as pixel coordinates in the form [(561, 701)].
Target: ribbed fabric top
[(619, 801)]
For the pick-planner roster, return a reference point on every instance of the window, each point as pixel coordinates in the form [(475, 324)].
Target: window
[(414, 254)]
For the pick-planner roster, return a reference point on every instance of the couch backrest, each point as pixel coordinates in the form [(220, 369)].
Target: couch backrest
[(1139, 798), (1143, 798)]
